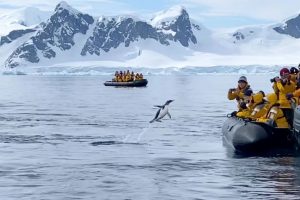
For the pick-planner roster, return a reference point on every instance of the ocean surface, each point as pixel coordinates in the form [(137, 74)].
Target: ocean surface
[(70, 137)]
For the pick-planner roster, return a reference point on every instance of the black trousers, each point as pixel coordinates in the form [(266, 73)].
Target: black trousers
[(289, 115)]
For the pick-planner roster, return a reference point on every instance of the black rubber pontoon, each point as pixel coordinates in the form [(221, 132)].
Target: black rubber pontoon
[(249, 136), (137, 83), (296, 124)]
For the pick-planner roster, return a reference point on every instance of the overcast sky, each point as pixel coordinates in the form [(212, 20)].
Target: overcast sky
[(211, 13)]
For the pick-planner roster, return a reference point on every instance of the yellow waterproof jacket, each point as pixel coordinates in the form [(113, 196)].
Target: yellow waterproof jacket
[(238, 94), (293, 77), (296, 93), (128, 77), (256, 106), (275, 113), (281, 90), (119, 78), (245, 113), (259, 110)]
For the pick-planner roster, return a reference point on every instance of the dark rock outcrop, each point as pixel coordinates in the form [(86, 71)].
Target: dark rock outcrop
[(291, 27), (13, 35)]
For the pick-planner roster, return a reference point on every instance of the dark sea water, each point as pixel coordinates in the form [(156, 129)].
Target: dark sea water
[(70, 137)]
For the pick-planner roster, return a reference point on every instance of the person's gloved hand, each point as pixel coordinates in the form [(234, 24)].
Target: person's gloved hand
[(289, 96), (277, 79), (231, 90), (233, 114)]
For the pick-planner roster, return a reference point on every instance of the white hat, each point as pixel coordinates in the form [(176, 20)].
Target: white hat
[(243, 78)]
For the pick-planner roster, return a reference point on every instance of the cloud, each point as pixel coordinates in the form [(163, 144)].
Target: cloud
[(210, 12), (271, 10), (50, 5)]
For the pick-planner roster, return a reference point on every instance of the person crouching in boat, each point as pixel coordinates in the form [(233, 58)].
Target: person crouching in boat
[(137, 76), (132, 76), (283, 86), (243, 109), (115, 79), (255, 107), (238, 93), (127, 76), (274, 115), (120, 77)]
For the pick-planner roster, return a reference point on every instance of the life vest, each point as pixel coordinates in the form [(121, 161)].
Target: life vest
[(275, 113), (259, 110), (283, 89)]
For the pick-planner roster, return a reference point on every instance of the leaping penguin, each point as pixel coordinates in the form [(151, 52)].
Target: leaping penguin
[(162, 111)]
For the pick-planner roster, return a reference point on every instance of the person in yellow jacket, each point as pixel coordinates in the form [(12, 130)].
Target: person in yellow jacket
[(238, 93), (120, 77), (141, 76), (295, 95), (116, 76), (243, 110), (283, 86), (294, 73), (257, 105), (132, 76), (255, 108), (274, 115), (137, 76)]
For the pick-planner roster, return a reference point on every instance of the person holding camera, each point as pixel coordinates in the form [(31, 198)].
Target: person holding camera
[(243, 105), (283, 86), (296, 93), (238, 93)]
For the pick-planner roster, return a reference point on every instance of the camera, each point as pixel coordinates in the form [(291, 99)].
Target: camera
[(232, 89), (243, 105), (272, 80)]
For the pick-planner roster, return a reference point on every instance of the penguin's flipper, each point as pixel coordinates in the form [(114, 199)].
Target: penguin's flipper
[(158, 106), (169, 115)]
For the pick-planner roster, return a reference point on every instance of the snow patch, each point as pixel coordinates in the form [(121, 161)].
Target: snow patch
[(167, 15), (22, 19)]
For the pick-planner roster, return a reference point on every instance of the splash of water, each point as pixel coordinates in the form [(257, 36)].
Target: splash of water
[(144, 130), (126, 138)]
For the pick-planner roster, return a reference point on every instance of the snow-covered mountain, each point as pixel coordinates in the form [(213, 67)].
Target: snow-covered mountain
[(171, 38), (85, 37), (21, 19), (271, 41)]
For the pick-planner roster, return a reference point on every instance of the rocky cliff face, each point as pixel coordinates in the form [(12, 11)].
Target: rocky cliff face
[(13, 35), (57, 34), (291, 27)]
